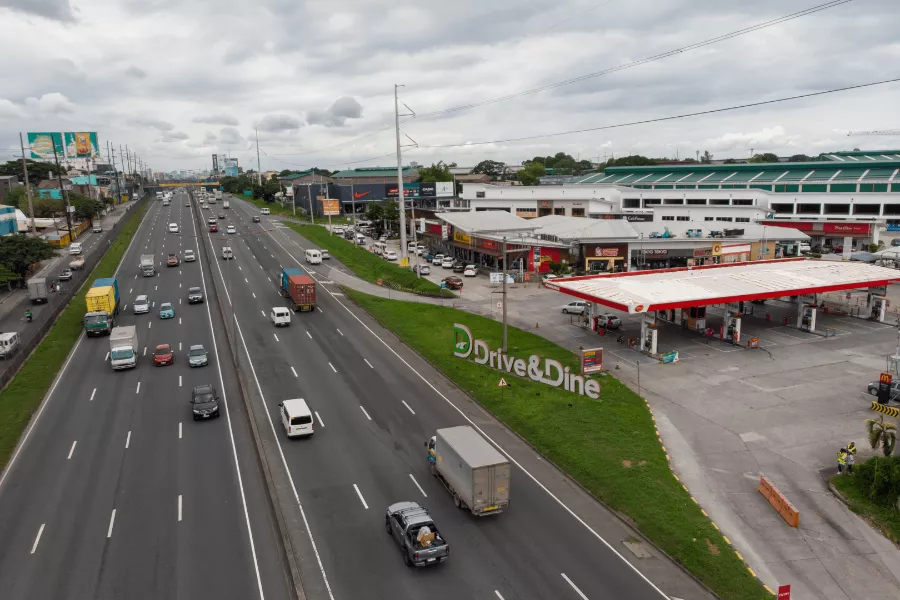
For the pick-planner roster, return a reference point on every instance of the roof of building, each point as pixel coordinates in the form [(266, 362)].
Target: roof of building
[(83, 180), (647, 291), (488, 221), (374, 172), (864, 155), (296, 175), (751, 231), (580, 228), (473, 178)]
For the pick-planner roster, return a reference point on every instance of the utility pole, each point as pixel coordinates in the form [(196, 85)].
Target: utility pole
[(128, 159), (309, 197), (505, 269), (27, 184), (62, 191), (111, 156), (327, 203), (353, 200), (122, 160), (404, 256), (258, 165)]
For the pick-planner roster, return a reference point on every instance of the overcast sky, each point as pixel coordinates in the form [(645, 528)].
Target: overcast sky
[(179, 80)]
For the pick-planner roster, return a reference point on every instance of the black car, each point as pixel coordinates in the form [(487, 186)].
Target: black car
[(204, 402), (255, 218), (453, 282), (221, 215), (459, 267), (895, 242), (195, 295)]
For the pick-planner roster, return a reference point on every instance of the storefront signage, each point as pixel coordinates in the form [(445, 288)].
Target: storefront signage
[(551, 372), (598, 251), (736, 249), (409, 190), (545, 203), (591, 361), (669, 357), (818, 227), (458, 236), (427, 189), (655, 251), (488, 244), (545, 258), (536, 251), (445, 232), (701, 252)]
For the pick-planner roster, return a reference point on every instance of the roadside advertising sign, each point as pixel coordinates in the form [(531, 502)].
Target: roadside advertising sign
[(215, 162), (536, 251), (427, 189), (784, 592), (591, 361), (68, 144), (884, 388), (331, 207), (669, 357), (445, 232)]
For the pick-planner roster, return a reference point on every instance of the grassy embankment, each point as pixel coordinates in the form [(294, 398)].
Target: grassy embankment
[(883, 517), (609, 445), (367, 265), (23, 395)]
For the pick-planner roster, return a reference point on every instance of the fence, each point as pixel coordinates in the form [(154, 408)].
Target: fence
[(34, 332)]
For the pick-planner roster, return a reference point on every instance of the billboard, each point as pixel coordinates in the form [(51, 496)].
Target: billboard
[(68, 144), (410, 190), (427, 189), (330, 207), (215, 163)]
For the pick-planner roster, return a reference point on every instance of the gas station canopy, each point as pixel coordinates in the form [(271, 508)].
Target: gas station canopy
[(647, 291)]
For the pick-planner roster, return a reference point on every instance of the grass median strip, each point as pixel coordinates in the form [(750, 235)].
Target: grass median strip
[(608, 445), (877, 509), (23, 395), (365, 264)]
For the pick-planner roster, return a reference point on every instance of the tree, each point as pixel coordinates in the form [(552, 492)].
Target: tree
[(375, 211), (85, 207), (20, 252), (44, 207), (707, 158), (882, 434), (436, 172), (729, 161), (629, 161), (285, 173), (490, 167), (767, 157), (37, 171), (16, 197), (531, 174), (563, 164), (800, 158)]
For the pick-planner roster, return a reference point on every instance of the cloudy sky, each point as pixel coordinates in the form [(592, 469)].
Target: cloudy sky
[(178, 80)]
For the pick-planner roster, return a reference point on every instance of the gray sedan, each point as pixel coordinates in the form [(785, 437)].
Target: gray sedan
[(141, 305), (197, 356)]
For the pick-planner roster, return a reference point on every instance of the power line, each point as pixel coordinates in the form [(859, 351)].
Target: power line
[(670, 118), (649, 59)]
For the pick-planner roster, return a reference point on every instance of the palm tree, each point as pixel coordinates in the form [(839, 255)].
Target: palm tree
[(882, 433)]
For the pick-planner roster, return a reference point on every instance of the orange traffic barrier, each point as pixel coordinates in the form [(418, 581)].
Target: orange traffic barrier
[(781, 504)]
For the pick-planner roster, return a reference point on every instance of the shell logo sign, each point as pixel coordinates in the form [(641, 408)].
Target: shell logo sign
[(638, 309)]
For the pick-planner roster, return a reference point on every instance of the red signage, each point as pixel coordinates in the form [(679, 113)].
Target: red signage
[(784, 592), (886, 378), (489, 244), (819, 226)]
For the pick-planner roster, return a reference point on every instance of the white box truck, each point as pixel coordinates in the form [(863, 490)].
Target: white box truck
[(148, 265), (472, 470), (37, 290), (123, 347)]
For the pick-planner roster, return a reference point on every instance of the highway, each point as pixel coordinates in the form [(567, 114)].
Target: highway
[(373, 413), (116, 491)]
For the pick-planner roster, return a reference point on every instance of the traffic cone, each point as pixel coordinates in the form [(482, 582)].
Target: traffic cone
[(537, 325)]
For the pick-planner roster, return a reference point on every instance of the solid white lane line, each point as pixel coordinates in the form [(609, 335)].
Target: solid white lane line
[(179, 381), (254, 295), (179, 346), (179, 508), (321, 422), (368, 363), (332, 367), (363, 500), (417, 485), (138, 390), (112, 521), (574, 587), (365, 413), (319, 309), (293, 371), (37, 539), (127, 440), (145, 350), (149, 324), (276, 337), (92, 395), (179, 429), (498, 594), (309, 335), (339, 331), (71, 450), (408, 407), (104, 360), (263, 312)]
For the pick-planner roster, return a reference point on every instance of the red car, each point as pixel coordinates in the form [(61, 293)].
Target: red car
[(453, 282), (213, 228), (163, 355)]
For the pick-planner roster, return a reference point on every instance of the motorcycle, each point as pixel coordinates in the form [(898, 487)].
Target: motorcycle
[(28, 316)]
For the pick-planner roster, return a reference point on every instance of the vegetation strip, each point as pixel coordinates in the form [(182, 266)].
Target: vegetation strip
[(26, 390), (873, 492), (365, 264), (608, 445)]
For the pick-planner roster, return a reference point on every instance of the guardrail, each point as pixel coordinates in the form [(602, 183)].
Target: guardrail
[(779, 502), (44, 320)]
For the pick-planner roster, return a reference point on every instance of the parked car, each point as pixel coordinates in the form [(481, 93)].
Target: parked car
[(189, 256), (163, 355), (453, 282), (470, 271), (459, 267), (390, 255), (141, 305), (895, 390), (204, 402), (197, 356), (166, 311), (575, 308), (195, 295), (338, 231), (437, 259), (65, 275), (422, 269), (447, 262), (610, 321)]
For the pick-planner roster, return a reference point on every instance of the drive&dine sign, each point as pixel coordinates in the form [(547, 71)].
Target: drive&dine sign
[(551, 372)]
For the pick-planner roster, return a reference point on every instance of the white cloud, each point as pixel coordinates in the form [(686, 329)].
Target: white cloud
[(217, 120), (279, 123), (337, 114), (9, 110), (52, 103), (231, 136), (174, 136)]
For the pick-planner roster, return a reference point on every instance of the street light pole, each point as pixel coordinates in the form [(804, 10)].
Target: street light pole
[(62, 192), (504, 293), (401, 197), (27, 184)]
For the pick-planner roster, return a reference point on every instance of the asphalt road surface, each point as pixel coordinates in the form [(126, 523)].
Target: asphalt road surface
[(117, 492), (373, 412)]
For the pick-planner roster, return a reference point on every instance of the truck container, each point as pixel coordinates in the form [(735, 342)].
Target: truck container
[(101, 299), (123, 347), (299, 287), (102, 303), (76, 263), (37, 290), (148, 265), (104, 281), (471, 469), (218, 194)]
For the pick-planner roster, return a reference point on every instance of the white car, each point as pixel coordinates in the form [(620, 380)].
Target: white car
[(447, 262), (173, 227), (280, 316), (231, 229), (436, 260), (390, 255), (264, 211), (189, 256), (338, 231), (188, 203), (471, 271), (420, 250), (325, 255), (141, 305), (578, 307), (75, 248)]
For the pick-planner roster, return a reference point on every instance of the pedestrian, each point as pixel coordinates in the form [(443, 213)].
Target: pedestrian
[(851, 448), (842, 460), (850, 461)]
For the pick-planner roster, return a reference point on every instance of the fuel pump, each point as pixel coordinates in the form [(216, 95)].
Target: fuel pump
[(648, 336), (733, 328), (877, 307), (807, 317)]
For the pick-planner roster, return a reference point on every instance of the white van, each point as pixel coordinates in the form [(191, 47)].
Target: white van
[(75, 248), (280, 316), (9, 343), (314, 257), (296, 417), (264, 211), (360, 239)]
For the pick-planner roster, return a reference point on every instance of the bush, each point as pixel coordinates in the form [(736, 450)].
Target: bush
[(879, 478)]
